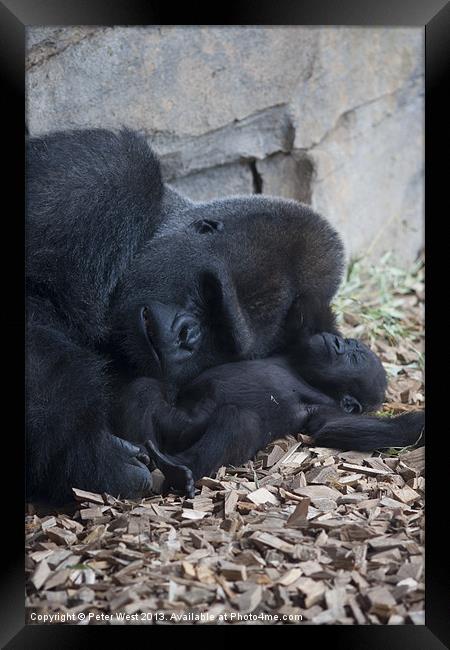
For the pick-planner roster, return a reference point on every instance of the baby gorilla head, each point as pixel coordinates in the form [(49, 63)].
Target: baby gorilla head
[(346, 369)]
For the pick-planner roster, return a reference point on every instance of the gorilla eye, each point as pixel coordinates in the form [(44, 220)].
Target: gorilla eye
[(207, 226), (339, 345), (350, 404)]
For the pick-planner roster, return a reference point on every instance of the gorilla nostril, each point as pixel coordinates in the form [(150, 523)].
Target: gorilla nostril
[(183, 334), (188, 336)]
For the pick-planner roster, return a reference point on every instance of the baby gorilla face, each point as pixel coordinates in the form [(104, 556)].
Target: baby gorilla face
[(346, 368)]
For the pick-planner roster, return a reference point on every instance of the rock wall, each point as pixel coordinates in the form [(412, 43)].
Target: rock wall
[(333, 117)]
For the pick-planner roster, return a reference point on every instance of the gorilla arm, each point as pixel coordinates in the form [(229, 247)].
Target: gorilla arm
[(236, 415), (332, 428), (234, 436), (246, 420), (143, 413), (94, 198), (68, 442)]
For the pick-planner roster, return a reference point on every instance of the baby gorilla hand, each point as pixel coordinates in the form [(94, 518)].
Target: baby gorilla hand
[(176, 476)]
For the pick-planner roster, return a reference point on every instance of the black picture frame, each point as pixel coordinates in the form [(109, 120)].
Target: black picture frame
[(15, 16)]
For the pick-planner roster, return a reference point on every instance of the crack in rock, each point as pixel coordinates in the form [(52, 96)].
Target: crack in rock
[(257, 178), (46, 49), (345, 115), (254, 137)]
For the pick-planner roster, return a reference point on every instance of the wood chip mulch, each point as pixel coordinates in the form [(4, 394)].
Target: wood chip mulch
[(302, 535), (333, 537)]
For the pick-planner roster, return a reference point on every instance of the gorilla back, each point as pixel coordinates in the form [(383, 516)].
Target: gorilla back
[(127, 278)]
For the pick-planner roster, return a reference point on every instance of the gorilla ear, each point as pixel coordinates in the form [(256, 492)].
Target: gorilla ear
[(350, 404), (206, 226)]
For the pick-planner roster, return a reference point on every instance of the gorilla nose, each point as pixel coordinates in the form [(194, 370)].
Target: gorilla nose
[(174, 333), (186, 331)]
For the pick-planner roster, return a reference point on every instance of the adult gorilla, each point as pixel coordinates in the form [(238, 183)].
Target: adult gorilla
[(126, 278)]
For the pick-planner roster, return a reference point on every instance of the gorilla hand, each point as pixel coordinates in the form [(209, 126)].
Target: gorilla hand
[(132, 478), (122, 473)]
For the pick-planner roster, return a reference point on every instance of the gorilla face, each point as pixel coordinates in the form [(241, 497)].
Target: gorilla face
[(220, 289), (346, 368), (188, 316)]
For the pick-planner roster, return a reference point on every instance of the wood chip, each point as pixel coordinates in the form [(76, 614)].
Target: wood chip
[(300, 514), (48, 522), (57, 579), (40, 574), (318, 492), (233, 572), (320, 475), (61, 535), (272, 456), (289, 577), (357, 613), (415, 459), (313, 590), (406, 494), (386, 542), (295, 458), (189, 570), (266, 539), (382, 603), (249, 600), (83, 495), (361, 469), (418, 617), (262, 495), (193, 514), (93, 513), (230, 501)]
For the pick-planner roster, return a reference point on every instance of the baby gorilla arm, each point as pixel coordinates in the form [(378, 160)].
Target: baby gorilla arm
[(233, 436), (143, 414)]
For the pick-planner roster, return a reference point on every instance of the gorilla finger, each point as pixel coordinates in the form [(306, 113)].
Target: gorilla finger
[(140, 481), (124, 445), (136, 462), (143, 455)]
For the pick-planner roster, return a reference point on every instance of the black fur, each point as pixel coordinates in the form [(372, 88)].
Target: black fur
[(106, 239), (229, 412)]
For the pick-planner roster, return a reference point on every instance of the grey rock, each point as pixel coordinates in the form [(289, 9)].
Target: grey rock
[(287, 175), (176, 80), (217, 182), (368, 177), (352, 67), (43, 43), (329, 116), (360, 117), (256, 136)]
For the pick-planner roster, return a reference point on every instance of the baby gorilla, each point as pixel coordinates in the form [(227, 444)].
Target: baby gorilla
[(230, 412)]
